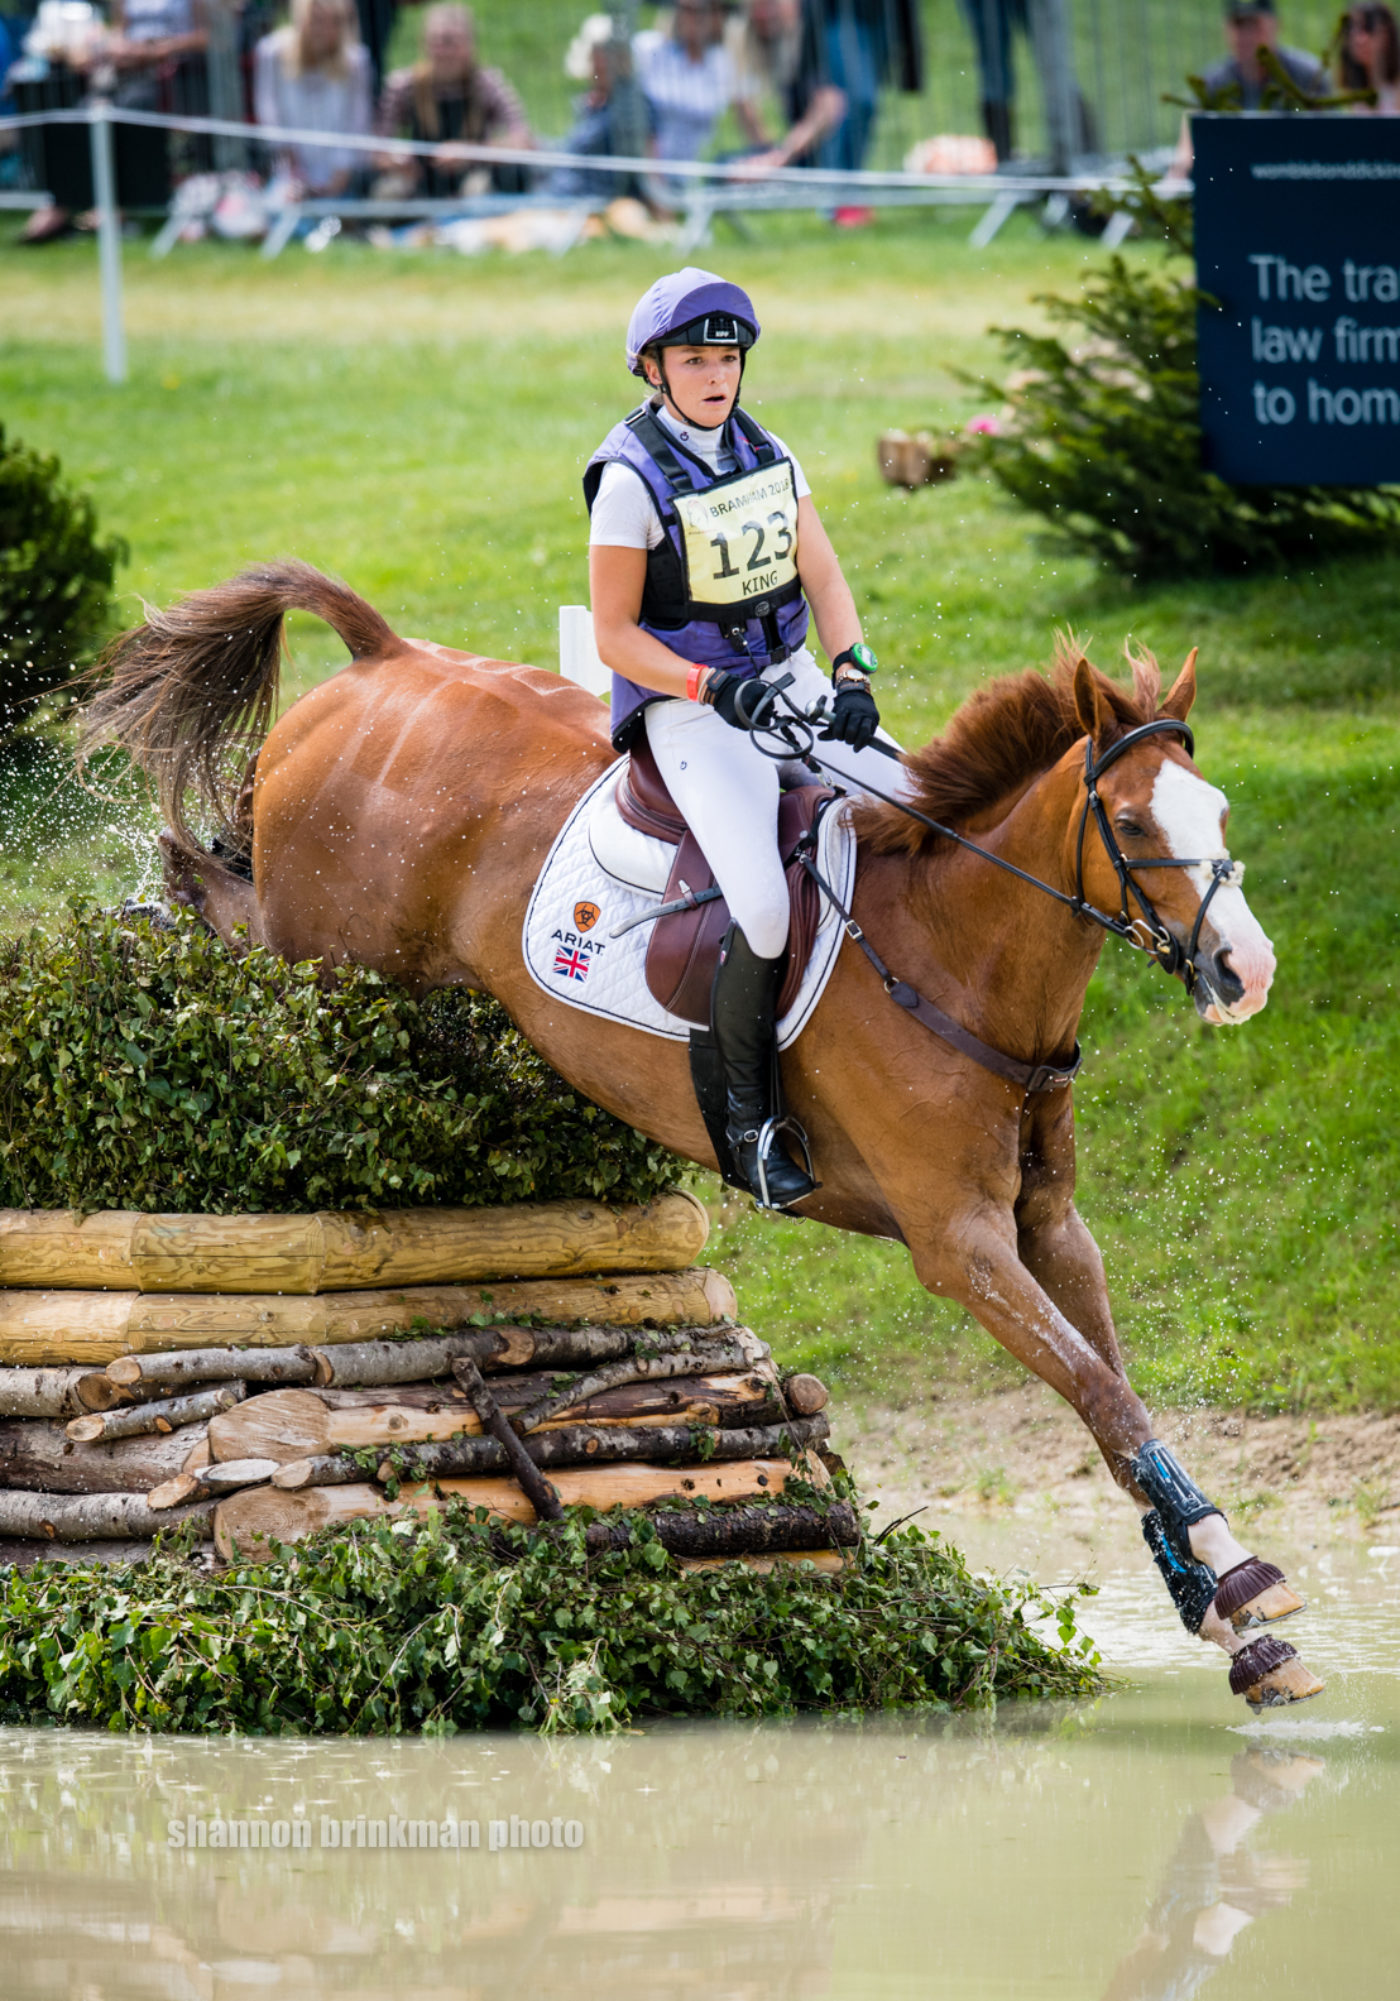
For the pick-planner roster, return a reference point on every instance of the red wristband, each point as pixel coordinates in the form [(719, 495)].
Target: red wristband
[(695, 681)]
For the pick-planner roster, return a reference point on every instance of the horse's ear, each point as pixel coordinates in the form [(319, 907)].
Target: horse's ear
[(1089, 704), (1183, 690)]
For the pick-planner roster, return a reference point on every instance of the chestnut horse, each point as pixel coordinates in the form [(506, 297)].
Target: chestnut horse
[(399, 814)]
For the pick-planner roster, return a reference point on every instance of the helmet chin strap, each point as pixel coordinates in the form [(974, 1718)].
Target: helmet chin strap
[(669, 397)]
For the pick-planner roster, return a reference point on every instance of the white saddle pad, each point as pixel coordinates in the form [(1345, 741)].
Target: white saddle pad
[(601, 872)]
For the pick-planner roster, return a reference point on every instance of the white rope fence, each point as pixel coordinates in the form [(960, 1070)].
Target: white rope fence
[(712, 184)]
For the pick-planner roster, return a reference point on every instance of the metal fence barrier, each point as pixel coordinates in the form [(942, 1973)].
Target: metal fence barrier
[(700, 187)]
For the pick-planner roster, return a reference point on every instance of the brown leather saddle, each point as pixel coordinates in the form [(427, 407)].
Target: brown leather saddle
[(684, 947)]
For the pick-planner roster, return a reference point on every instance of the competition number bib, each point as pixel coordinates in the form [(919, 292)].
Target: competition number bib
[(740, 537)]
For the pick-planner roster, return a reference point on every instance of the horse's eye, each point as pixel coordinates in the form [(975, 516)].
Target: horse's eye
[(1127, 825)]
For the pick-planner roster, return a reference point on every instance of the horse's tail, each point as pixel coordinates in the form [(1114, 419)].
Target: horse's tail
[(191, 693)]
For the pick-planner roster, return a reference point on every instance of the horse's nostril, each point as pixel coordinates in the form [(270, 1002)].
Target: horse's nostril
[(1226, 981)]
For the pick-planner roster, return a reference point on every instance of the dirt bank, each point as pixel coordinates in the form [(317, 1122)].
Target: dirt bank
[(1021, 1461)]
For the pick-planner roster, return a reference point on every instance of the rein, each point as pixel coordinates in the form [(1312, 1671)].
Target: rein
[(1146, 933)]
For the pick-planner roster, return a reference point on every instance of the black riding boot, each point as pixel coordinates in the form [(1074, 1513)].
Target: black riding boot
[(743, 1004)]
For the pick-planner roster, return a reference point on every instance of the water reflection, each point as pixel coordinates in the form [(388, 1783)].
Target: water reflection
[(898, 1859), (1215, 1886)]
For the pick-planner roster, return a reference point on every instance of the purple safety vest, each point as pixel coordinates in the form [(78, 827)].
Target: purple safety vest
[(743, 638)]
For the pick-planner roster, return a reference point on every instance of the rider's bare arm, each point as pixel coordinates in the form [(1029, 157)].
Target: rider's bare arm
[(615, 579), (824, 586)]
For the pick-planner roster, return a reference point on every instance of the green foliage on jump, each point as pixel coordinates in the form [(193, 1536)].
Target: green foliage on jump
[(458, 1624), (1104, 435), (55, 581), (151, 1069)]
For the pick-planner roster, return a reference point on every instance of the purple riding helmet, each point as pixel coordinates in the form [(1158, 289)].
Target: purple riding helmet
[(691, 308)]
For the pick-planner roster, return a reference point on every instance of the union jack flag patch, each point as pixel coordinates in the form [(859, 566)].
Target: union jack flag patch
[(570, 965)]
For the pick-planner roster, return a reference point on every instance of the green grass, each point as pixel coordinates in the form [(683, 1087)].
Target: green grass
[(419, 423)]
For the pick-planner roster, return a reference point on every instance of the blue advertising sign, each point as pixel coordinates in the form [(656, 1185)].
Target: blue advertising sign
[(1298, 239)]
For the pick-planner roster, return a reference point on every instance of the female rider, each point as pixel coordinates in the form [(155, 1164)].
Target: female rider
[(706, 557)]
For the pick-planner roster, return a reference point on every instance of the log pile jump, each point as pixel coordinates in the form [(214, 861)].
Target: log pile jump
[(263, 1377)]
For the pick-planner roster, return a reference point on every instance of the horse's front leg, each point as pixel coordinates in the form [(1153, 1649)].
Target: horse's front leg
[(978, 1260)]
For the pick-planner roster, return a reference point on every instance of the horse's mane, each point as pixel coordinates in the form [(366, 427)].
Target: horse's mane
[(1000, 739)]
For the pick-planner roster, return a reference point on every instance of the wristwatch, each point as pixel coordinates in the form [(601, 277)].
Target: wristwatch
[(855, 664)]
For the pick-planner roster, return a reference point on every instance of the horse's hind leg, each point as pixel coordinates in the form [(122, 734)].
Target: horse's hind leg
[(1215, 1583), (223, 897)]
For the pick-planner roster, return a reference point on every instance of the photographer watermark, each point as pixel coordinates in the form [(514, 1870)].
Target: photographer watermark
[(325, 1831)]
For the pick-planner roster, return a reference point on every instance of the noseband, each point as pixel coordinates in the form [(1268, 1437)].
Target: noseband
[(1147, 931)]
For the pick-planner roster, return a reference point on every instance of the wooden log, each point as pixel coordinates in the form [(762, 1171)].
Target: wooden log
[(162, 1373), (40, 1392), (805, 1395), (161, 1414), (418, 1361), (328, 1252), (518, 1462), (706, 1356), (739, 1531), (295, 1424), (46, 1328), (248, 1521), (36, 1454), (832, 1561), (221, 1477), (604, 1444), (88, 1517), (24, 1552), (96, 1391), (328, 1469)]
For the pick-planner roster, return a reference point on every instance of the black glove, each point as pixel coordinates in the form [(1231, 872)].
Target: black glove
[(854, 718), (744, 701)]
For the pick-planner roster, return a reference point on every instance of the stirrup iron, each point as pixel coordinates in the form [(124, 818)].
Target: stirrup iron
[(767, 1139)]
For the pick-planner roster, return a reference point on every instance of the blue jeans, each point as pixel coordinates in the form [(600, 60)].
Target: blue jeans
[(851, 65)]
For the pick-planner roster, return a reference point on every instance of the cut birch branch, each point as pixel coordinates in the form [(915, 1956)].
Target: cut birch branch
[(538, 1491), (162, 1414), (42, 1328), (600, 1445), (24, 1552), (705, 1357), (297, 1424), (326, 1469), (247, 1522), (88, 1517), (224, 1477), (375, 1362), (40, 1392), (738, 1531), (198, 1365), (328, 1251), (35, 1454)]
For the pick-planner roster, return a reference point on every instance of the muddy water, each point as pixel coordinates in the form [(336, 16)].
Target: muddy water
[(1154, 1843)]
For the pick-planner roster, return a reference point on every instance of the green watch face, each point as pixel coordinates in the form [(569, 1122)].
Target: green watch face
[(864, 657)]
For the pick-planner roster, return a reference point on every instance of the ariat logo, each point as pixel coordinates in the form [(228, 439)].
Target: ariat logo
[(586, 915)]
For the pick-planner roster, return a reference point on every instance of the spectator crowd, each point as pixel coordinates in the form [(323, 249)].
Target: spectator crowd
[(774, 83)]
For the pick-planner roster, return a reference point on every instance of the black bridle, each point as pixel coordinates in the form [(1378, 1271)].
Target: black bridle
[(1158, 942), (794, 736)]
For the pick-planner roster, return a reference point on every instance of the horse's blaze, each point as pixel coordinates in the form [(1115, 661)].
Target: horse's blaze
[(1191, 815)]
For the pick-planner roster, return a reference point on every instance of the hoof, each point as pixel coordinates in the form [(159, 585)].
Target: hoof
[(1254, 1593), (1268, 1673)]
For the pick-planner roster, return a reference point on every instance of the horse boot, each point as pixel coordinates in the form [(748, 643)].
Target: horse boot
[(743, 1008)]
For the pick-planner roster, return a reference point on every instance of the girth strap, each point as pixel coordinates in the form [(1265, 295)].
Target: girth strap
[(1030, 1077)]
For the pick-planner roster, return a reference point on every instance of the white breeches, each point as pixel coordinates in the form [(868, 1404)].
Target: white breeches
[(728, 791)]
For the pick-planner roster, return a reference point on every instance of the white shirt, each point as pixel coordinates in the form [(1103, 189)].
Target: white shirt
[(624, 513), (314, 101), (686, 97)]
